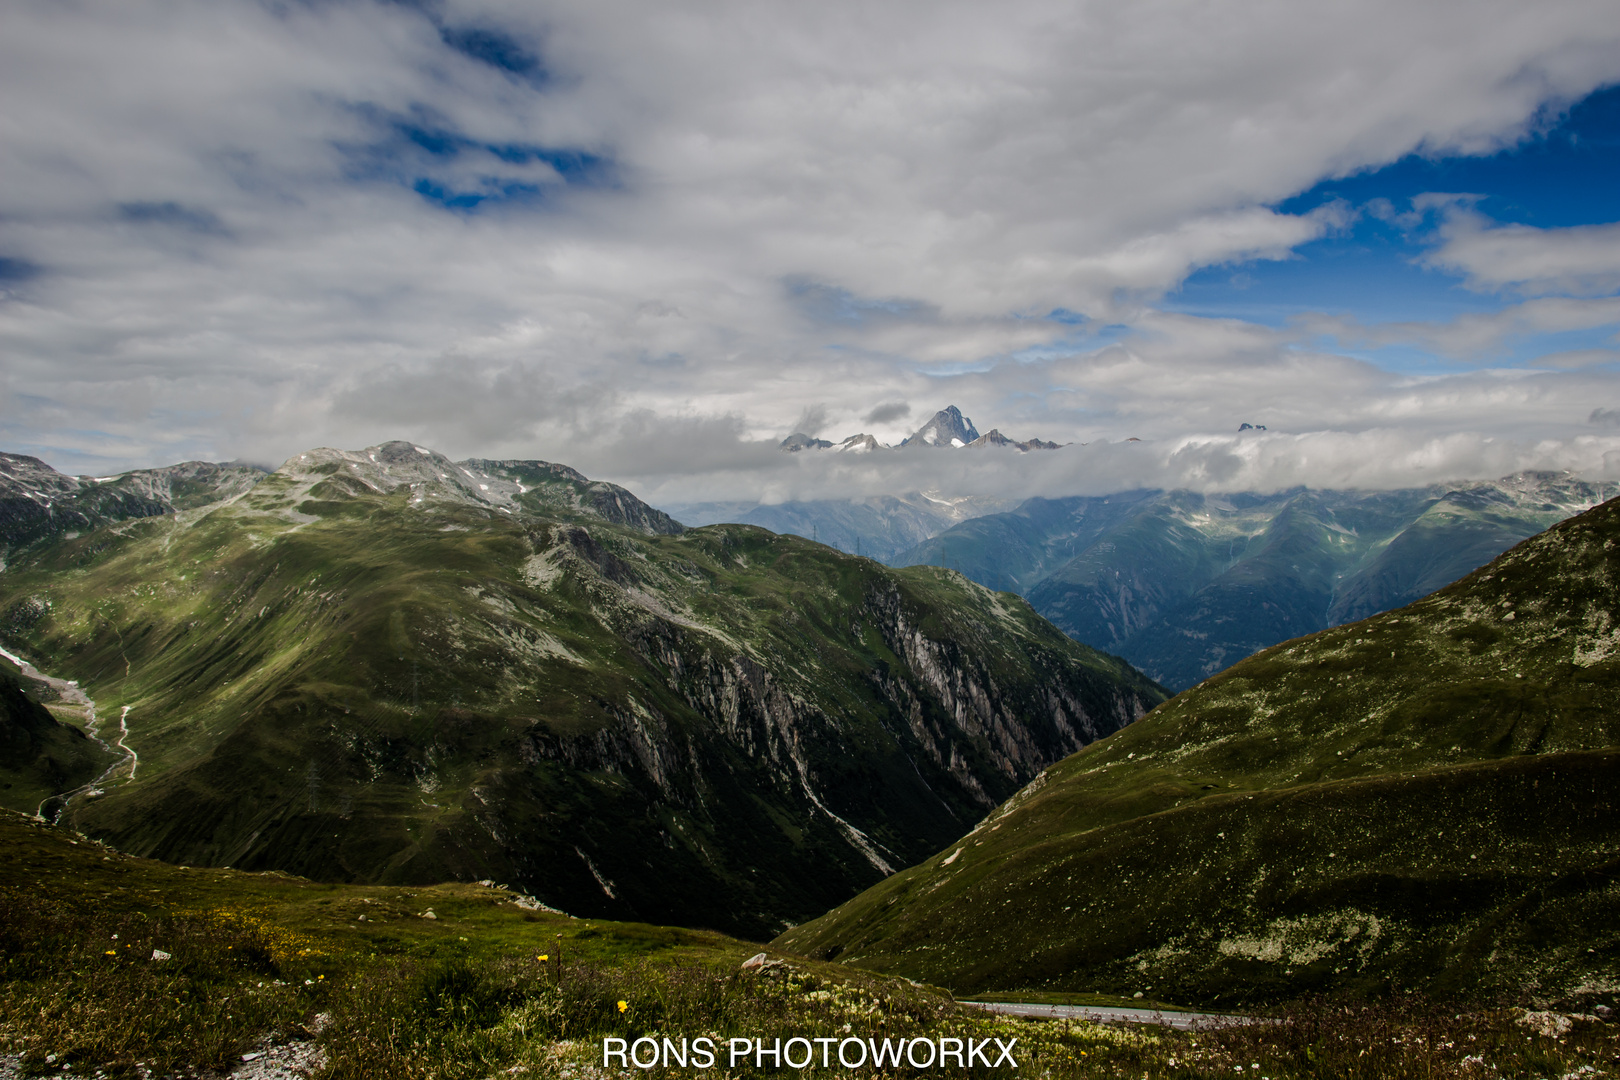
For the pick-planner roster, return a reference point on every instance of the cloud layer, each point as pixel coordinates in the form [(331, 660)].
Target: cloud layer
[(648, 240)]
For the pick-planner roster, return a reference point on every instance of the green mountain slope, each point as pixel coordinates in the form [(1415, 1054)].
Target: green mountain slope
[(39, 754), (1426, 798), (1183, 585), (386, 666)]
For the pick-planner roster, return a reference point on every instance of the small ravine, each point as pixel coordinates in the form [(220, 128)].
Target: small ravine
[(72, 697)]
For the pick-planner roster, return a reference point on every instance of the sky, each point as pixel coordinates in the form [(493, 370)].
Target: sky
[(650, 240)]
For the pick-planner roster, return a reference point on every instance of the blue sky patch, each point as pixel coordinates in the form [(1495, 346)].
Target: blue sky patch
[(16, 270), (173, 215), (425, 153), (496, 48), (1566, 175)]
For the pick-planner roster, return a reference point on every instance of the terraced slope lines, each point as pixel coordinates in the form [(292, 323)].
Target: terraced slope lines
[(386, 666), (1426, 798)]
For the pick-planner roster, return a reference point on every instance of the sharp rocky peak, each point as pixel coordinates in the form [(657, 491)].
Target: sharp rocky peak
[(947, 428)]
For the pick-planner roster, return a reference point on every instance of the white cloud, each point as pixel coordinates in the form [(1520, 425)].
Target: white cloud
[(233, 261), (1374, 458), (1581, 259), (1476, 335)]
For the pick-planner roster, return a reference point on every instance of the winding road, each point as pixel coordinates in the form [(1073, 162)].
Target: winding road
[(1184, 1021), (74, 698)]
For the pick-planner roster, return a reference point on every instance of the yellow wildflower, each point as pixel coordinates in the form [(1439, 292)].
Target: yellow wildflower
[(623, 1005)]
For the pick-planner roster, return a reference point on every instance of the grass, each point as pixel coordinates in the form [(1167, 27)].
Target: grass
[(351, 685), (489, 989), (1423, 800)]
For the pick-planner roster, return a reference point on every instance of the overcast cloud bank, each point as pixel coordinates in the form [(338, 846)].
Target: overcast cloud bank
[(647, 240)]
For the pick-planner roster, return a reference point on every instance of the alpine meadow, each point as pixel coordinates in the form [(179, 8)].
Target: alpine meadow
[(590, 539)]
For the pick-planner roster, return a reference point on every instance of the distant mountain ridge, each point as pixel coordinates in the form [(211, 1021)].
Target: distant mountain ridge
[(877, 526), (947, 429), (1184, 584), (37, 502)]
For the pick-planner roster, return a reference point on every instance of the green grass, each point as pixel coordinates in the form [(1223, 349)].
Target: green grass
[(1422, 800), (349, 685), (1059, 997), (264, 957)]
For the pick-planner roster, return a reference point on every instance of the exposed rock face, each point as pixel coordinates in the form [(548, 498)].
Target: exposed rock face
[(995, 438), (860, 444), (800, 441), (383, 665)]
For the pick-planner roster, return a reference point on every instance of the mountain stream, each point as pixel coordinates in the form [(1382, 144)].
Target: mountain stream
[(71, 697)]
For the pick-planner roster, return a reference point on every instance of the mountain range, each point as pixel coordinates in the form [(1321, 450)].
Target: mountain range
[(947, 429), (881, 527), (1423, 799), (37, 502), (387, 666), (1184, 584)]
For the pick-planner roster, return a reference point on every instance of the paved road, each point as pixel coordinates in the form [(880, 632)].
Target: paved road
[(1183, 1020)]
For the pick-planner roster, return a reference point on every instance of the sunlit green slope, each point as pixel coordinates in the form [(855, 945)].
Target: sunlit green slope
[(386, 666), (1425, 798)]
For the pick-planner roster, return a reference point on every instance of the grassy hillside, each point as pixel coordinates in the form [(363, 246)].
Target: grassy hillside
[(385, 666), (1422, 799), (122, 967), (365, 971)]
